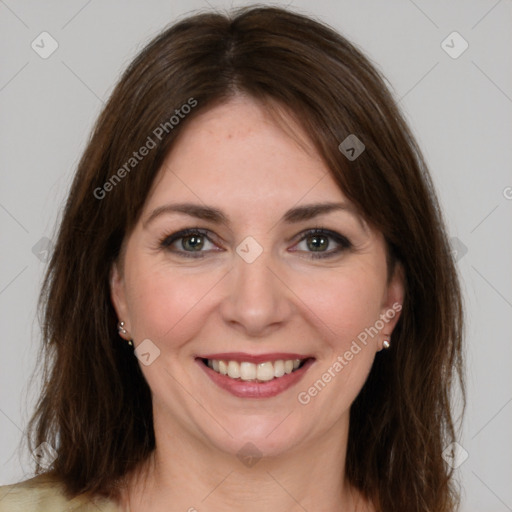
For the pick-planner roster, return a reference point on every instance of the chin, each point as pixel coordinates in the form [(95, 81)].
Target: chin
[(256, 435)]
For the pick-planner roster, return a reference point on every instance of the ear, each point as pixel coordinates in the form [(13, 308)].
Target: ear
[(118, 295), (393, 300)]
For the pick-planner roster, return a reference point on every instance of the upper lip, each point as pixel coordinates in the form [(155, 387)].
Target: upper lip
[(254, 358)]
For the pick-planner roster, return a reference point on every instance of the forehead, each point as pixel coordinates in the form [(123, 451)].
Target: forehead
[(238, 154)]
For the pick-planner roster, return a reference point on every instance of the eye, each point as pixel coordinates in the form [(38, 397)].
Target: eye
[(190, 243), (195, 242), (322, 243)]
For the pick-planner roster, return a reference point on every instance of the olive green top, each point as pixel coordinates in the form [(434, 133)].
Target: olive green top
[(45, 494)]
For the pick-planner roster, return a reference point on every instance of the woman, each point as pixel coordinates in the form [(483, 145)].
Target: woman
[(252, 302)]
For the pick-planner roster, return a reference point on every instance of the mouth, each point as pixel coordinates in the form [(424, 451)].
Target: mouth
[(255, 376), (248, 371)]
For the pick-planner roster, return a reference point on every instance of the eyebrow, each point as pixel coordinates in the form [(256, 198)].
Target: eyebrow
[(212, 214)]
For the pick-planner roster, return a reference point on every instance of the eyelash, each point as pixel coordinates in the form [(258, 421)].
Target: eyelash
[(343, 242)]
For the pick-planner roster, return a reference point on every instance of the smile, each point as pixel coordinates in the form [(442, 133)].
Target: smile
[(263, 376), (248, 371)]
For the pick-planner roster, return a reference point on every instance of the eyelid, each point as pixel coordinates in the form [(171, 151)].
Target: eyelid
[(323, 231), (169, 239), (341, 240)]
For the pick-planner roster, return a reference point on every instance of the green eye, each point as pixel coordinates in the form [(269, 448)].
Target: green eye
[(191, 243), (318, 241)]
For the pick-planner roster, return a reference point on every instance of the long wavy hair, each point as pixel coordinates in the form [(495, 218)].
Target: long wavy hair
[(95, 408)]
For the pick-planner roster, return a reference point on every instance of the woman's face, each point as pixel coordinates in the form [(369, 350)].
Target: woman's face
[(250, 284)]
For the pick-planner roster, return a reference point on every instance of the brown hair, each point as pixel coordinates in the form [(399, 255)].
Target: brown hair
[(95, 408)]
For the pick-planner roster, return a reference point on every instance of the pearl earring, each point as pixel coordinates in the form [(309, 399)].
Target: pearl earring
[(122, 330), (386, 344)]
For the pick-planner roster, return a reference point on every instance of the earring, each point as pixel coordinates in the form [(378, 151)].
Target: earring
[(386, 344), (122, 330)]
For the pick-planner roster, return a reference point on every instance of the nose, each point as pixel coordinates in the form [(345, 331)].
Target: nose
[(257, 300)]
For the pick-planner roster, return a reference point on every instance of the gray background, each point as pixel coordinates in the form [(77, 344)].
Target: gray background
[(459, 109)]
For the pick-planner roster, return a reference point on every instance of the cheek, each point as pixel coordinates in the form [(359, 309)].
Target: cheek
[(342, 307), (345, 302), (166, 303)]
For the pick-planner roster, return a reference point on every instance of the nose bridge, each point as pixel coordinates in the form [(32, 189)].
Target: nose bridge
[(257, 298)]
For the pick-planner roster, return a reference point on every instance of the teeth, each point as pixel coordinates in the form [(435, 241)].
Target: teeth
[(250, 371), (279, 368), (223, 368), (265, 371), (233, 369)]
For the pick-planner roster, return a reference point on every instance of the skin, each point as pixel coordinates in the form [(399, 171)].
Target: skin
[(236, 158)]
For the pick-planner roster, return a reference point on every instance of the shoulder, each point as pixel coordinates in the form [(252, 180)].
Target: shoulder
[(44, 493)]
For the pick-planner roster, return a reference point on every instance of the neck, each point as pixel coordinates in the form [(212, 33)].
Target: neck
[(190, 474)]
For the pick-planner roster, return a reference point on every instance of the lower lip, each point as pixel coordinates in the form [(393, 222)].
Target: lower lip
[(248, 389)]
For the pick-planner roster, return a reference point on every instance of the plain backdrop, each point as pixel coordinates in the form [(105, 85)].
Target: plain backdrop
[(458, 103)]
